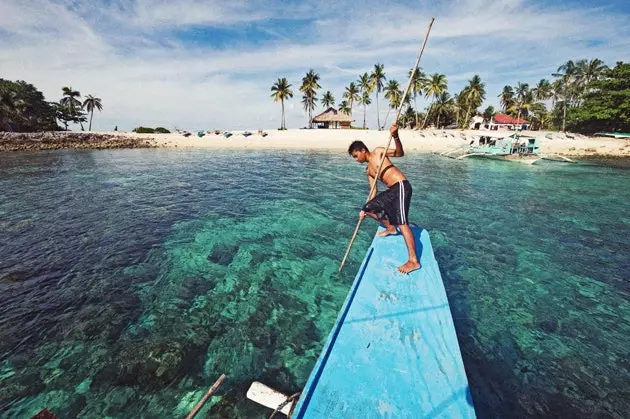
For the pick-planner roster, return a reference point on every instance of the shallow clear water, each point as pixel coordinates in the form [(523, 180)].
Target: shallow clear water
[(131, 279)]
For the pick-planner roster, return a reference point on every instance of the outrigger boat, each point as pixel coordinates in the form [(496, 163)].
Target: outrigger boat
[(392, 352), (514, 147)]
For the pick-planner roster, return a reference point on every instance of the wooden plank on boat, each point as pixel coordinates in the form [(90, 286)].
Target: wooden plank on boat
[(268, 397), (393, 351)]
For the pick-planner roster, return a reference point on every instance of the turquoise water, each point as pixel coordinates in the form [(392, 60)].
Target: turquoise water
[(131, 279)]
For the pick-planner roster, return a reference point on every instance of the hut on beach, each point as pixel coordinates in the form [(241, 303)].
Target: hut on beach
[(332, 118), (503, 121)]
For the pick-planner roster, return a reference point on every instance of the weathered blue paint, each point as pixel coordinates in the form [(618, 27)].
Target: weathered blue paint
[(393, 351)]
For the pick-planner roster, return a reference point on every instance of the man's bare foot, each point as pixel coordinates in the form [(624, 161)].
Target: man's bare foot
[(409, 267), (388, 231)]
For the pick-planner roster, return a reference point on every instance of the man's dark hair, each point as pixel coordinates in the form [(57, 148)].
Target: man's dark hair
[(357, 146)]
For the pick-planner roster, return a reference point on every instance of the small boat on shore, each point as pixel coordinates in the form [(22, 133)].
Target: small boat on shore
[(514, 147), (392, 352)]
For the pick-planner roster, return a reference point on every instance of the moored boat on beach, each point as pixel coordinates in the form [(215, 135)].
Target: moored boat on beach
[(514, 147)]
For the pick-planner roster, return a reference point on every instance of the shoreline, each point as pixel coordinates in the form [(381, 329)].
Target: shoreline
[(427, 141)]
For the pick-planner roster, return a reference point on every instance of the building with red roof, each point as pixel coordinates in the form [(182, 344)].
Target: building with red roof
[(501, 120)]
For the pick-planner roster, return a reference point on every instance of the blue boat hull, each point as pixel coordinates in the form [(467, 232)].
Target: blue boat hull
[(393, 351)]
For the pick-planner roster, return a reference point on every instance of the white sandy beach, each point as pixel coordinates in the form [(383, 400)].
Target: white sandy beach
[(427, 141)]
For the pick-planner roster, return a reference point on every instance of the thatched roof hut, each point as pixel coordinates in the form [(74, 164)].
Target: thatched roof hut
[(332, 118)]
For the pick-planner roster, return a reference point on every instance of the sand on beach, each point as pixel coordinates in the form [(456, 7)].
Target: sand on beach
[(426, 141)]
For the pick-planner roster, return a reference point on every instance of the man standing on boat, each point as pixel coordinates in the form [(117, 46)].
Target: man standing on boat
[(390, 207)]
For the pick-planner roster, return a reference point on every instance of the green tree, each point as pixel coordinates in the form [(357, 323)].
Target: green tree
[(71, 107), (418, 82), (281, 91), (543, 90), (566, 72), (310, 84), (351, 94), (365, 85), (606, 106), (344, 108), (434, 86), (90, 103), (507, 98), (475, 94), (24, 109), (488, 113), (377, 78), (442, 107), (394, 95), (328, 100), (365, 100)]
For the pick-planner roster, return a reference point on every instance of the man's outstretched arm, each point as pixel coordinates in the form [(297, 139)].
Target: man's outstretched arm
[(398, 151)]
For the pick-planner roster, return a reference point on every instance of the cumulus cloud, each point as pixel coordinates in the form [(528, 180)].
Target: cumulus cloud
[(138, 56)]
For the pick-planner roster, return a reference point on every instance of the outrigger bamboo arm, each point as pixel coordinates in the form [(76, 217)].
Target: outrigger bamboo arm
[(378, 172)]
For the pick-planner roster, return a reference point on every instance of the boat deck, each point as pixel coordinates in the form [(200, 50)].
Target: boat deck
[(393, 351)]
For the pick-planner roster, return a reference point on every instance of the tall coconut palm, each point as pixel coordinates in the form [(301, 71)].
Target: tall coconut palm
[(567, 73), (394, 95), (310, 84), (442, 106), (71, 104), (365, 100), (377, 78), (90, 103), (328, 100), (418, 81), (281, 91), (351, 94), (507, 98), (344, 108), (435, 85), (542, 91), (488, 113), (365, 84), (475, 94)]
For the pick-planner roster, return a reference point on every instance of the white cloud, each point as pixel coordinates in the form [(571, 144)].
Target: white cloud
[(127, 52)]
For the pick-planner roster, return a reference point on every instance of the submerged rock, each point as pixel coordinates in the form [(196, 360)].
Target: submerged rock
[(223, 253)]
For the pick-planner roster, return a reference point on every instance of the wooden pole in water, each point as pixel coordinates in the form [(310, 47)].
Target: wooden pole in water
[(205, 398), (378, 172)]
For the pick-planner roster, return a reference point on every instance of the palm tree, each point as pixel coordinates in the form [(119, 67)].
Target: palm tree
[(71, 104), (352, 94), (365, 100), (310, 84), (507, 98), (542, 91), (281, 92), (524, 99), (475, 94), (344, 108), (394, 95), (328, 100), (377, 78), (365, 84), (418, 81), (442, 106), (90, 103), (434, 86), (566, 72), (488, 113)]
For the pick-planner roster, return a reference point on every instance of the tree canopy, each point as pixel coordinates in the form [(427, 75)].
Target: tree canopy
[(606, 105), (23, 108)]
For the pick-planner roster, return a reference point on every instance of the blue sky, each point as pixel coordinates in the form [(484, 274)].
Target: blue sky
[(210, 64)]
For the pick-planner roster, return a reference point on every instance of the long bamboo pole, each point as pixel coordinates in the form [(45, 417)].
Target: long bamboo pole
[(378, 172), (205, 398)]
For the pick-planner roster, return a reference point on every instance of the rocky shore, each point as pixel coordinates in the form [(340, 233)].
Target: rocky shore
[(10, 141)]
